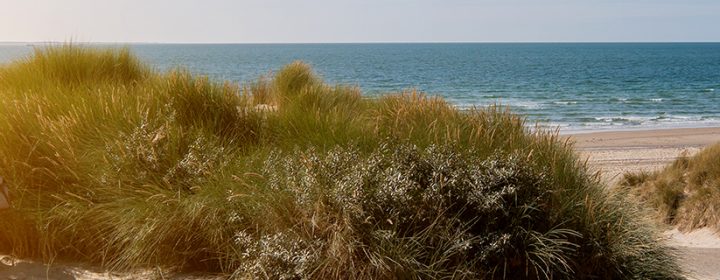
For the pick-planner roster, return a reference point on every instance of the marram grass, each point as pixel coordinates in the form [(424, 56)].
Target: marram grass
[(288, 177), (685, 193)]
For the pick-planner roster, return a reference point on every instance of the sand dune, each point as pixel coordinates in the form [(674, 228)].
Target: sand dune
[(614, 153), (611, 153)]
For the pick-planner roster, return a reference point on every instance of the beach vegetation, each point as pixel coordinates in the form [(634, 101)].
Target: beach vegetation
[(287, 177), (685, 193)]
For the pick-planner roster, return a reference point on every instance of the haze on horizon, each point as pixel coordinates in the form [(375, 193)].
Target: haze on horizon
[(317, 21)]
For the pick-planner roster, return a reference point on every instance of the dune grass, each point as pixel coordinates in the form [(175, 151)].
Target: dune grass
[(685, 193), (288, 177)]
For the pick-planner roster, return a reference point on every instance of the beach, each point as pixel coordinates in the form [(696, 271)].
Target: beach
[(360, 140), (614, 153)]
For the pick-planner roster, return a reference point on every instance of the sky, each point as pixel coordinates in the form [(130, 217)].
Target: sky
[(322, 21)]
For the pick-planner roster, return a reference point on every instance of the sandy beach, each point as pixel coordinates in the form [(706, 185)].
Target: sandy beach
[(614, 153)]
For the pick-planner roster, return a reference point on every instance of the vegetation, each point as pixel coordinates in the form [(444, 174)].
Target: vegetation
[(685, 193), (114, 164)]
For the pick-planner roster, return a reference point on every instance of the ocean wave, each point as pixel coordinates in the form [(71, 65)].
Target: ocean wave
[(564, 102), (646, 119), (572, 127), (618, 119), (525, 104), (624, 100), (561, 114), (512, 103), (612, 123)]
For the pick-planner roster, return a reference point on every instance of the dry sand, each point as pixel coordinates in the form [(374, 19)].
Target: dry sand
[(614, 153), (14, 269)]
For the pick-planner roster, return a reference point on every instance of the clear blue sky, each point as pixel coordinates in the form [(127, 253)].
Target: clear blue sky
[(245, 21)]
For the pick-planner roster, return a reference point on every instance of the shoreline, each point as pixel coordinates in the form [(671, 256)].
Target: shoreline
[(647, 138), (569, 132)]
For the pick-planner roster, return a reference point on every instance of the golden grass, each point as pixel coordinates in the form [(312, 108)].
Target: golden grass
[(685, 193), (114, 164)]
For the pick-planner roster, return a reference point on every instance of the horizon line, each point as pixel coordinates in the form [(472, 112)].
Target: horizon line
[(358, 42)]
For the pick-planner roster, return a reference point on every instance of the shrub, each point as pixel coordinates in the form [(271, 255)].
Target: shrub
[(433, 213)]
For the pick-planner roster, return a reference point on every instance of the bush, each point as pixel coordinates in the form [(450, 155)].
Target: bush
[(174, 170), (433, 213)]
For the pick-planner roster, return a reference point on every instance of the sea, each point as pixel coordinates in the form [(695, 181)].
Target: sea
[(573, 87)]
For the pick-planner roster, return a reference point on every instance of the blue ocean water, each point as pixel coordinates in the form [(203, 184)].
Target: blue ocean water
[(575, 86)]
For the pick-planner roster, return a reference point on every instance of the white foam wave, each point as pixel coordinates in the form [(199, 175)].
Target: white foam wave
[(524, 104), (665, 118), (512, 103)]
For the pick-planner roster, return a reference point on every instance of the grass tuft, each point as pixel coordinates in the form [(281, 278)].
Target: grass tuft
[(685, 192), (72, 65), (294, 78)]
